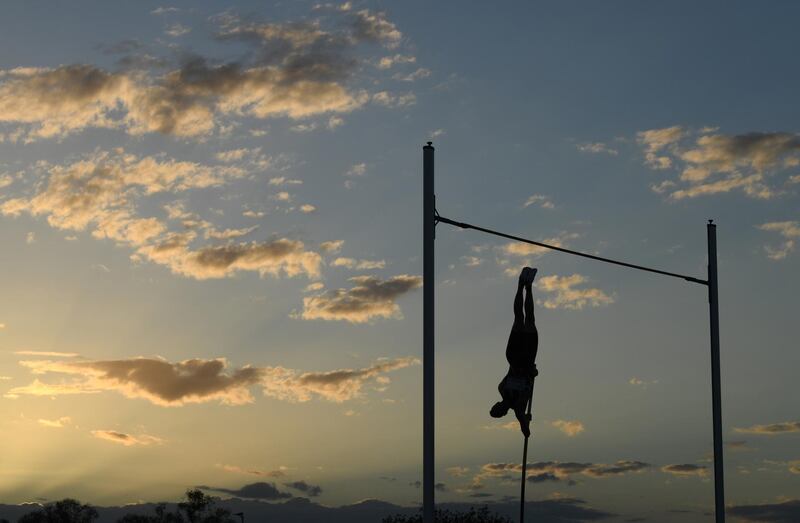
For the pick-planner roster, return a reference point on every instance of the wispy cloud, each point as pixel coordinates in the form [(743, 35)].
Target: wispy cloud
[(541, 200), (61, 422), (570, 428), (128, 440), (772, 429), (789, 230), (686, 469), (277, 473), (46, 353), (352, 263), (596, 148)]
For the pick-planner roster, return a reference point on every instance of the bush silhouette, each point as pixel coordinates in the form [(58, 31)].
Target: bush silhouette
[(481, 515)]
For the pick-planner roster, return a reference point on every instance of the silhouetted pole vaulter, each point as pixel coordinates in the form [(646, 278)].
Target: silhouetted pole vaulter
[(431, 217), (521, 349), (516, 388)]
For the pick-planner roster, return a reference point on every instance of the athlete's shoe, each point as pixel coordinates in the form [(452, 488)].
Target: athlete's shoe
[(528, 274)]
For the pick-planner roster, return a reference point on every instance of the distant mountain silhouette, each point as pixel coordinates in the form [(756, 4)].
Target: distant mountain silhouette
[(303, 510)]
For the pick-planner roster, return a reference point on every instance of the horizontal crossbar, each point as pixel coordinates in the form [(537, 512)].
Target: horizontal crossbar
[(463, 225)]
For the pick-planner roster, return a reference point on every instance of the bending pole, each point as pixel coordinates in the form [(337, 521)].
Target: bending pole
[(716, 394), (428, 285)]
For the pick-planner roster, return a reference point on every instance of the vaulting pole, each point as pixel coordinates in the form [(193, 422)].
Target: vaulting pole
[(525, 462), (716, 394), (428, 235)]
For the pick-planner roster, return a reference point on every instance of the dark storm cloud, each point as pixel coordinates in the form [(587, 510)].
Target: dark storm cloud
[(787, 512), (543, 477), (302, 486), (259, 490)]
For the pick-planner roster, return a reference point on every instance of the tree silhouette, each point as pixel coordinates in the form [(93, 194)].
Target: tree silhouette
[(196, 508), (161, 516), (481, 515), (65, 511)]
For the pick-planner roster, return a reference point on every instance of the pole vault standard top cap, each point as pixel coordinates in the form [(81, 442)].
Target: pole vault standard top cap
[(429, 146)]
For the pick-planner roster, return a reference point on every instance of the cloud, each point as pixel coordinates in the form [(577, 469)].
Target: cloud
[(472, 261), (282, 180), (200, 381), (786, 512), (387, 62), (253, 472), (351, 263), (529, 250), (164, 10), (369, 298), (271, 258), (771, 429), (302, 486), (48, 354), (566, 296), (541, 200), (55, 423), (596, 148), (457, 471), (295, 69), (56, 102), (718, 163), (737, 446), (156, 380), (789, 230), (686, 469), (258, 490), (127, 440), (570, 428), (359, 169), (337, 386), (374, 27), (331, 247), (414, 76), (655, 141), (560, 470), (177, 30), (387, 99), (102, 190), (543, 477)]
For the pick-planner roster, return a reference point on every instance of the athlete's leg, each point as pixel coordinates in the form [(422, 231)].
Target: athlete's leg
[(530, 319), (519, 316)]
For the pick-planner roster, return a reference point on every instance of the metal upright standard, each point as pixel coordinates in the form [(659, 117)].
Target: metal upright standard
[(428, 375), (716, 401), (431, 217)]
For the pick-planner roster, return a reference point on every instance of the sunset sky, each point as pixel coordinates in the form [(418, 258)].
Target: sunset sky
[(211, 273)]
